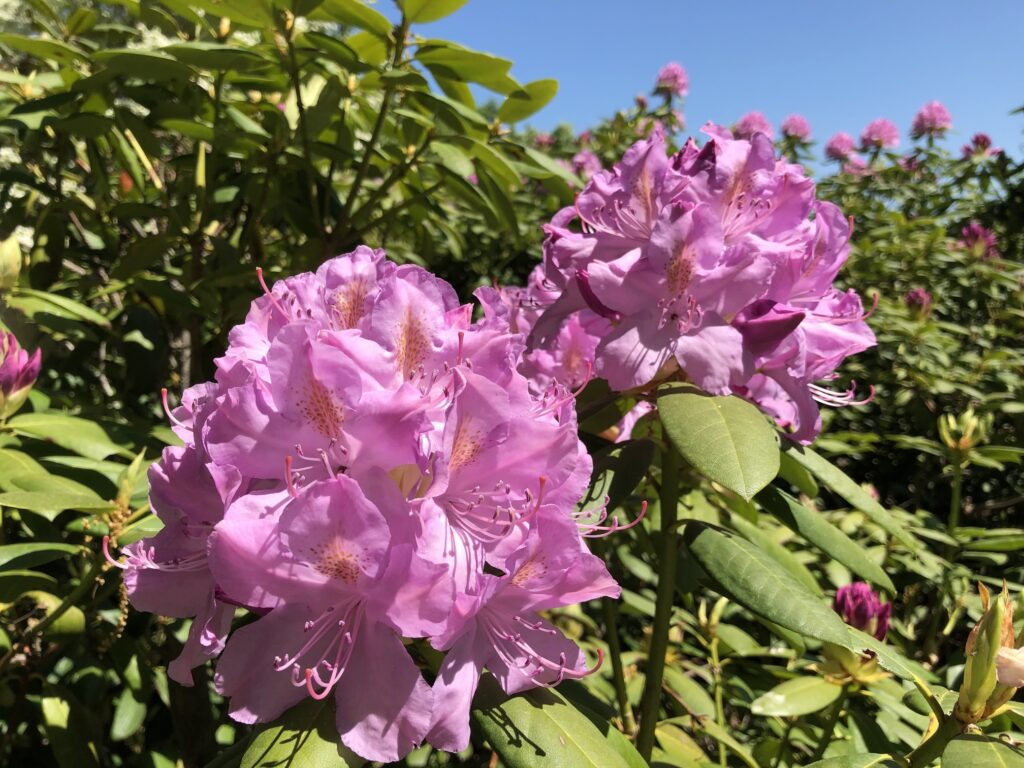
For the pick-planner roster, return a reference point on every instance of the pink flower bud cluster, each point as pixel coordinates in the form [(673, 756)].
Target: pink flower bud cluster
[(751, 123), (979, 241), (933, 119), (980, 146), (369, 472), (860, 607), (18, 372), (796, 127), (673, 80), (880, 134), (716, 264)]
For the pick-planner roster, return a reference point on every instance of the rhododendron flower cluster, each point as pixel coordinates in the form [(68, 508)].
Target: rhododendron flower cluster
[(673, 80), (18, 372), (796, 127), (979, 241), (751, 123), (841, 147), (369, 471), (933, 119), (716, 263), (980, 146), (880, 134), (919, 302)]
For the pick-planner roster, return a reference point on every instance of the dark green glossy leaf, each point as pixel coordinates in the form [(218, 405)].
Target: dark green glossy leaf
[(305, 735), (32, 553), (795, 697), (841, 483), (541, 728), (727, 439), (84, 437), (425, 11), (977, 751), (820, 532)]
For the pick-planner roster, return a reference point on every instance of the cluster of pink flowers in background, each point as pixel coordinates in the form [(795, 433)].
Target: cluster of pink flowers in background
[(932, 120), (369, 465), (979, 241), (880, 134), (716, 262), (751, 123), (673, 80), (796, 127), (18, 372)]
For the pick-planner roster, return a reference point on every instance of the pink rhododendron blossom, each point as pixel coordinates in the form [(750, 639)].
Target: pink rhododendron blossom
[(751, 123), (840, 147), (855, 165), (673, 80), (544, 140), (980, 146), (716, 263), (366, 460), (796, 127), (860, 607), (586, 163), (919, 302), (880, 134), (933, 119), (18, 372), (979, 241)]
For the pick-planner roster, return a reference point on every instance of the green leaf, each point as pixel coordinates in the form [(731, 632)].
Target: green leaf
[(15, 463), (142, 64), (540, 728), (797, 475), (727, 439), (81, 21), (305, 735), (750, 577), (692, 694), (49, 50), (68, 729), (71, 620), (425, 11), (842, 484), (354, 13), (820, 532), (29, 554), (10, 262), (129, 715), (528, 100), (81, 436), (14, 584), (856, 761), (61, 306), (253, 13), (776, 552), (457, 63), (976, 751), (50, 503), (799, 696), (215, 56)]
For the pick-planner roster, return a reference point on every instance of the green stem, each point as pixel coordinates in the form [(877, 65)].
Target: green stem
[(784, 742), (400, 34), (611, 621), (935, 745), (670, 470), (954, 503), (716, 673), (307, 148), (830, 725), (73, 597)]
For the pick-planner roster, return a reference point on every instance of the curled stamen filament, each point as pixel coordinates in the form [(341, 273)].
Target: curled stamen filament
[(596, 530), (271, 296), (849, 397), (145, 559), (167, 409)]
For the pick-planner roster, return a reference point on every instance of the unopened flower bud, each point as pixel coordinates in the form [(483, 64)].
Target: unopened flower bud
[(860, 607), (981, 692), (18, 372), (10, 262)]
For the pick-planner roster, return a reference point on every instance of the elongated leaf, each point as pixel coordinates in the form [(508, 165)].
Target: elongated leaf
[(14, 463), (49, 50), (61, 306), (617, 471), (458, 63), (750, 577), (776, 552), (51, 503), (68, 729), (304, 735), (728, 439), (29, 554), (981, 752), (425, 11), (799, 696), (820, 532), (354, 13), (14, 584), (541, 728), (527, 100), (842, 484), (856, 761), (81, 436)]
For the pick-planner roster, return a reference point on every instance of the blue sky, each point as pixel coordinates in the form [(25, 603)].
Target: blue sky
[(841, 64)]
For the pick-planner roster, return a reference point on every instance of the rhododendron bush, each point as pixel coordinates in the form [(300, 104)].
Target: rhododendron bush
[(346, 422)]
